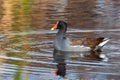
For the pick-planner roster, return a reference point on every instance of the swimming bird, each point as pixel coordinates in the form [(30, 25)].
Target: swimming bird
[(64, 43)]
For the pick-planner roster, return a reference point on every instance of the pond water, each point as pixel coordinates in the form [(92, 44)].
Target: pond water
[(26, 41)]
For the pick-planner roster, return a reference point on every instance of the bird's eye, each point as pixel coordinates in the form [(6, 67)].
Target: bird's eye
[(60, 23)]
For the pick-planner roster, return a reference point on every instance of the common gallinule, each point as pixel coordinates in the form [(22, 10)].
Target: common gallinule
[(63, 43)]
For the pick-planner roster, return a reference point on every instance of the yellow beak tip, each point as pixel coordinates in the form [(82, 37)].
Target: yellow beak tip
[(52, 28)]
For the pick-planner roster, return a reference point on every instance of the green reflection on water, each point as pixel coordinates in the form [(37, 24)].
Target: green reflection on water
[(18, 74), (21, 22), (21, 15)]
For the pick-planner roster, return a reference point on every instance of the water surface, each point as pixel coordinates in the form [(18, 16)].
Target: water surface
[(26, 42)]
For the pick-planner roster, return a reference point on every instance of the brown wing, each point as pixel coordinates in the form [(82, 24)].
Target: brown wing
[(89, 42)]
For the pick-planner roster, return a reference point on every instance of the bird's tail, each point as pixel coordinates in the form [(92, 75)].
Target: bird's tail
[(99, 46)]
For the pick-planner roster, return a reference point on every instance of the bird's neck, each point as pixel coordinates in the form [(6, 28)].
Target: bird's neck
[(61, 33), (59, 40)]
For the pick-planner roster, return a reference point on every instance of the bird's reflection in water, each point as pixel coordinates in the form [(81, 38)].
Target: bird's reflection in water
[(61, 57), (98, 55)]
